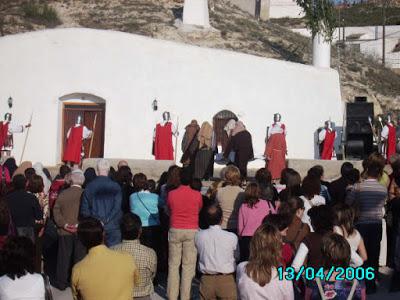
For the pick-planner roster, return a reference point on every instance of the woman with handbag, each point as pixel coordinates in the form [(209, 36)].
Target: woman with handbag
[(146, 205)]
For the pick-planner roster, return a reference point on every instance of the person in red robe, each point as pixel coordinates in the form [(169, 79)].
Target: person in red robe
[(389, 137), (276, 149), (3, 133), (163, 149), (73, 148), (327, 138)]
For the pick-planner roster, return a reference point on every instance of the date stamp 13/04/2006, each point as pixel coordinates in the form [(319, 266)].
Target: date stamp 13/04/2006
[(310, 273)]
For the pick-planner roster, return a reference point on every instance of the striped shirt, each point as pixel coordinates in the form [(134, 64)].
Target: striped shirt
[(369, 196)]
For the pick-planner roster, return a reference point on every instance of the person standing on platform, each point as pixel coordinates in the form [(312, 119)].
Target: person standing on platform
[(73, 152), (163, 149), (326, 139), (190, 144), (204, 161), (276, 149), (241, 143), (7, 129), (389, 138)]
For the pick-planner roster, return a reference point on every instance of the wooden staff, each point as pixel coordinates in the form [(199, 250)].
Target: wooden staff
[(93, 131), (176, 139), (26, 139)]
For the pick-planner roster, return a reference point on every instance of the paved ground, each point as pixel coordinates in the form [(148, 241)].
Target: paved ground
[(382, 293)]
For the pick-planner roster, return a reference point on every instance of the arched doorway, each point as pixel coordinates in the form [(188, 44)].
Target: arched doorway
[(92, 110), (219, 122)]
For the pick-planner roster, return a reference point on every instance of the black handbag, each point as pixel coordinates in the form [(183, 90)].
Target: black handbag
[(48, 295)]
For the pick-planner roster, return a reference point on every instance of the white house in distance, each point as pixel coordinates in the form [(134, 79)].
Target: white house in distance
[(270, 9), (60, 73)]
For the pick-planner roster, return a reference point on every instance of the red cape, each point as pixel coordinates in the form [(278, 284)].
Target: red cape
[(73, 148), (275, 151), (3, 134), (391, 142), (163, 149), (328, 145)]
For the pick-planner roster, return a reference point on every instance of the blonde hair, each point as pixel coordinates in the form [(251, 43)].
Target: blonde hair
[(265, 253)]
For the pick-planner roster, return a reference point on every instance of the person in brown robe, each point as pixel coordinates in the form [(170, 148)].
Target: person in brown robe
[(190, 144), (241, 143)]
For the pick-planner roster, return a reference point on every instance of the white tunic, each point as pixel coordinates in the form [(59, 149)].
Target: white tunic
[(276, 128), (85, 134), (322, 134)]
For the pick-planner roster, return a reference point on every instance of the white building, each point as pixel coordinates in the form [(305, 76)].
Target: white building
[(57, 74), (270, 9), (285, 9), (369, 41)]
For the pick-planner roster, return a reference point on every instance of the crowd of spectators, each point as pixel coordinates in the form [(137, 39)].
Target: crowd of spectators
[(110, 234)]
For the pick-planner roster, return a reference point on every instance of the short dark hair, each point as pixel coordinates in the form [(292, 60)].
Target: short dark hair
[(131, 226), (19, 182), (311, 186), (17, 257), (124, 175), (90, 232), (353, 176), (316, 171), (196, 184), (375, 165), (35, 184), (186, 176), (151, 183), (335, 251), (280, 221), (29, 173), (263, 176), (140, 182), (64, 170), (213, 214), (345, 168), (322, 218)]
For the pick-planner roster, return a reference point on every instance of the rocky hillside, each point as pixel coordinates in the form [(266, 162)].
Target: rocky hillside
[(234, 30)]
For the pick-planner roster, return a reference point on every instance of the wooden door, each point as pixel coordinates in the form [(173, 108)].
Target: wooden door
[(219, 122), (88, 112)]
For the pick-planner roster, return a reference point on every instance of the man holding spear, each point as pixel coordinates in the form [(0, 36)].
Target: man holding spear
[(76, 134)]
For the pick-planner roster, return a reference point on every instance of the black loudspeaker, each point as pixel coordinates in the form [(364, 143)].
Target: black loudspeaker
[(359, 136)]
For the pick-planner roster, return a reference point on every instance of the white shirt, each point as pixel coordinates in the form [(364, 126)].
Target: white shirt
[(354, 240), (85, 134), (274, 290), (14, 128), (27, 287), (316, 201), (322, 134), (218, 250), (301, 255), (385, 132), (276, 128)]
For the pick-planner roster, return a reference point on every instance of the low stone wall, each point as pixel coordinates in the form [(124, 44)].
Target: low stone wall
[(151, 168), (154, 168)]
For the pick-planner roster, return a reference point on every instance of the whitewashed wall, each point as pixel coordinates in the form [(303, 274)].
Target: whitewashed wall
[(129, 71), (284, 9)]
